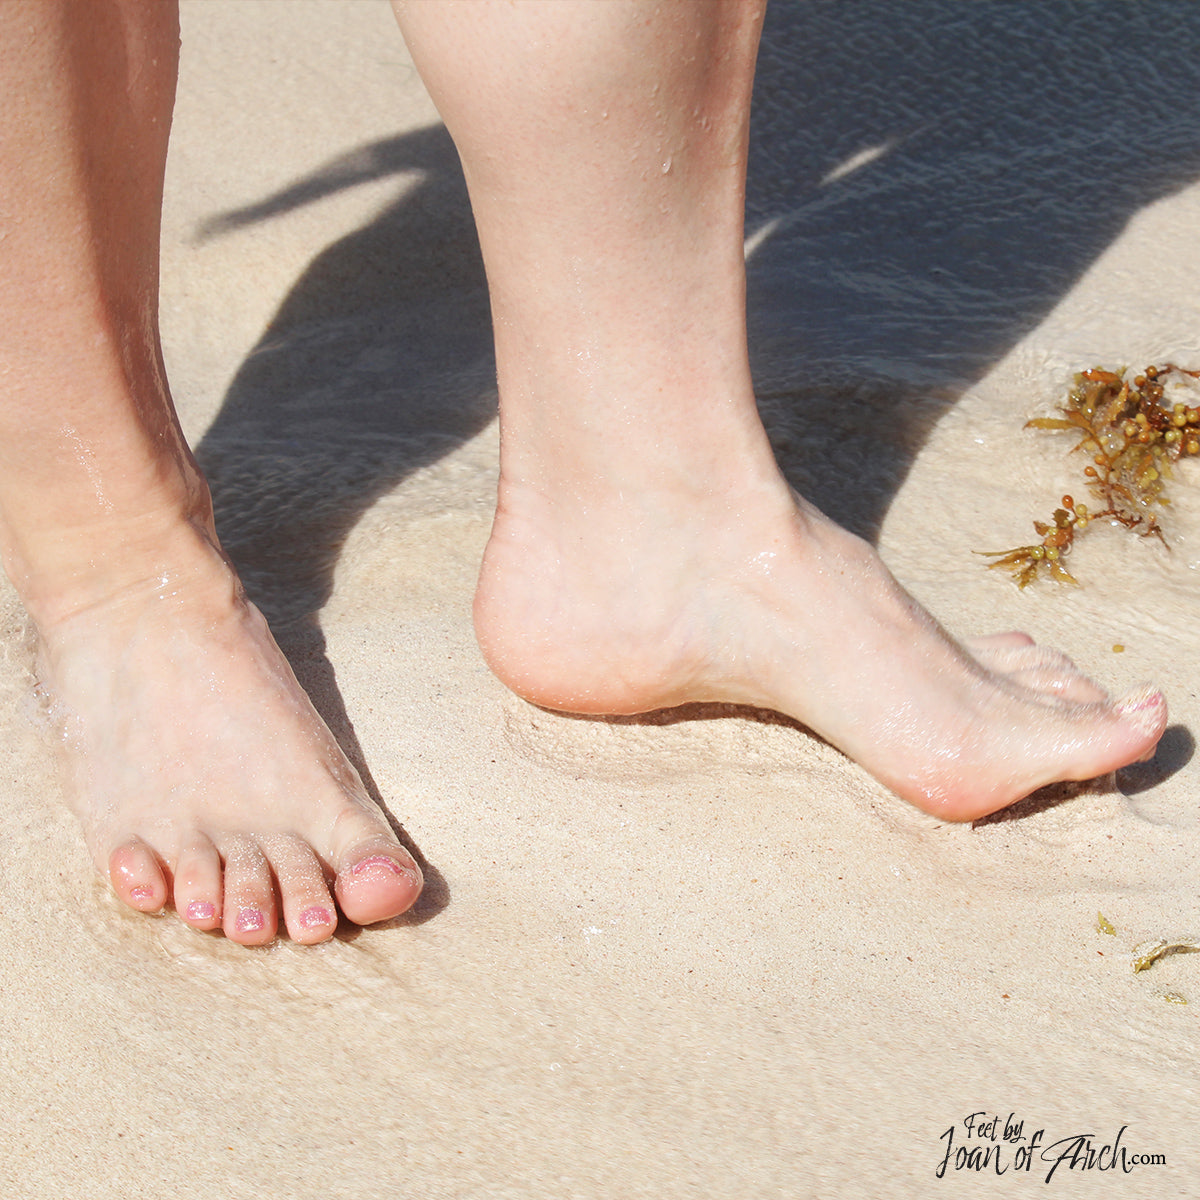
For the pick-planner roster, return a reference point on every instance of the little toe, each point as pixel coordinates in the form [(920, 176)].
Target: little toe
[(994, 642), (198, 885), (250, 913), (379, 880), (309, 911), (137, 877)]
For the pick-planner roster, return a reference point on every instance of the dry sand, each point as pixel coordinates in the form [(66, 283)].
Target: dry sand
[(701, 956)]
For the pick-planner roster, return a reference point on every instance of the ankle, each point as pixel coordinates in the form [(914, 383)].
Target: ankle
[(60, 573), (613, 504), (596, 601)]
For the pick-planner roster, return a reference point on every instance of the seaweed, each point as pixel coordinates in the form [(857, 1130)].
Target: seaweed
[(1132, 433), (1147, 954)]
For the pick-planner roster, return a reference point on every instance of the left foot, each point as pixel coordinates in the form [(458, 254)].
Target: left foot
[(200, 770)]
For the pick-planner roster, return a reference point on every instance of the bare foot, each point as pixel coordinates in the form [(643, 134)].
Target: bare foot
[(646, 551), (642, 600), (201, 772)]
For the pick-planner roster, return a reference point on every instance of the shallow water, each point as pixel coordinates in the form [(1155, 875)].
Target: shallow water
[(701, 955)]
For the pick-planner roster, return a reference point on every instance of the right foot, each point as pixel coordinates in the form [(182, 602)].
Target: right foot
[(623, 603), (202, 774), (646, 551)]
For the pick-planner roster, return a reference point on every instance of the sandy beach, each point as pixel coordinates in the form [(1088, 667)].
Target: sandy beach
[(698, 954)]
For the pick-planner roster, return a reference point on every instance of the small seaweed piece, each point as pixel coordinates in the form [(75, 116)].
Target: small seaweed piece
[(1147, 954), (1057, 539), (1104, 925), (1132, 434)]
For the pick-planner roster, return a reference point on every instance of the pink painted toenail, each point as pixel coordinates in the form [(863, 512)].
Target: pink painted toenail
[(141, 893), (198, 910), (1143, 707), (378, 860), (249, 920), (310, 918), (1139, 701)]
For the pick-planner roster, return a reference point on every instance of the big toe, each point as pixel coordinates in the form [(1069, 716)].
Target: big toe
[(1144, 713), (377, 882), (1117, 735)]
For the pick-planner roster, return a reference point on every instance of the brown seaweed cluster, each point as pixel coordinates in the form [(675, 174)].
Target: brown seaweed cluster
[(1131, 433)]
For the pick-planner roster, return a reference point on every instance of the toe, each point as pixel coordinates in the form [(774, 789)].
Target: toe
[(137, 877), (993, 642), (250, 915), (1042, 669), (1120, 734), (1026, 656), (1072, 686), (1146, 711), (377, 880), (198, 885), (309, 911)]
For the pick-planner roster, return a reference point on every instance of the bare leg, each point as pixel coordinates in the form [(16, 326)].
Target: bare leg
[(646, 550), (201, 772)]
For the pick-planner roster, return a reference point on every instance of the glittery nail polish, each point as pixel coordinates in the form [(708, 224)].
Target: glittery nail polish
[(249, 920), (310, 918)]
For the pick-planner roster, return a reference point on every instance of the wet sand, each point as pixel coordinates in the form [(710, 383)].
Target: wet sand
[(698, 954)]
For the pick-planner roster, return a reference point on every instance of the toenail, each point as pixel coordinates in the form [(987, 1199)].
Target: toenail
[(1143, 707), (141, 893), (198, 910), (249, 920), (311, 918), (379, 860), (1140, 701)]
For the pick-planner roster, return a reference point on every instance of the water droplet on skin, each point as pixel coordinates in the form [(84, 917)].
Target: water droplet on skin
[(666, 167), (764, 561)]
